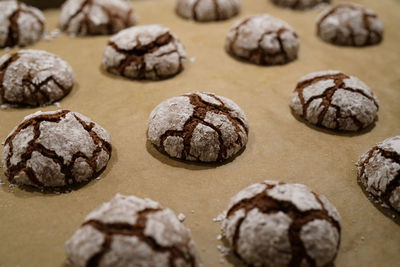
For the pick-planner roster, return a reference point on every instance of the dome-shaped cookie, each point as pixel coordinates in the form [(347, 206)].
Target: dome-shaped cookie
[(198, 127), (130, 231), (34, 78), (95, 17), (55, 149), (263, 39), (379, 171), (144, 52), (278, 224), (300, 4), (334, 100), (20, 24), (208, 10), (349, 24)]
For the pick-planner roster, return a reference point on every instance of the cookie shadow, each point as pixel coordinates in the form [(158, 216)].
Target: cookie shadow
[(9, 187), (186, 164), (383, 208), (334, 132), (110, 75), (245, 61)]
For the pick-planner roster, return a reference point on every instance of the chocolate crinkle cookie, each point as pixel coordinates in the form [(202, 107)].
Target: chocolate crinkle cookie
[(208, 10), (300, 4), (198, 127), (96, 17), (349, 24), (277, 224), (34, 78), (130, 231), (334, 100), (263, 39), (144, 52), (55, 149), (20, 24), (379, 172)]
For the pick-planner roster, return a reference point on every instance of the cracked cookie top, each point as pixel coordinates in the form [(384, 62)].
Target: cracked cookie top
[(277, 224), (208, 10), (144, 52), (334, 100), (95, 17), (130, 231), (20, 24), (349, 24), (263, 39), (300, 4), (379, 171), (198, 127), (55, 149), (34, 78)]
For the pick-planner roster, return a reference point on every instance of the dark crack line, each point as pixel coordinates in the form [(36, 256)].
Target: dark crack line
[(201, 108), (138, 53), (327, 96), (236, 36), (79, 11), (3, 68), (268, 205), (137, 230), (33, 146)]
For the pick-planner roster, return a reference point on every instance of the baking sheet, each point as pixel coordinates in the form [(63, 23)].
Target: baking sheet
[(34, 226)]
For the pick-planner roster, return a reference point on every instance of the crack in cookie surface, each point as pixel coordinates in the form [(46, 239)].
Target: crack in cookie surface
[(266, 204), (201, 108), (137, 230), (66, 169), (327, 97), (392, 156), (13, 31), (139, 62), (281, 46), (86, 26), (339, 38), (23, 82)]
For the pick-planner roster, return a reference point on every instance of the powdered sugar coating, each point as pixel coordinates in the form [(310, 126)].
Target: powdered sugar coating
[(33, 78), (198, 127), (334, 100), (263, 39), (349, 24), (20, 24), (92, 17), (208, 10), (379, 171), (278, 224), (129, 231), (300, 4), (144, 52), (55, 149)]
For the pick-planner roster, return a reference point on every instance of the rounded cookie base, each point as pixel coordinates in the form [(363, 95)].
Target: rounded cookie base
[(208, 10)]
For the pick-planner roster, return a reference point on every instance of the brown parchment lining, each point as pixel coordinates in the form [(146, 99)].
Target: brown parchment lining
[(35, 226)]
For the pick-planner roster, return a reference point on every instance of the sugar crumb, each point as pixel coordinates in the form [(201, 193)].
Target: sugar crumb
[(181, 217)]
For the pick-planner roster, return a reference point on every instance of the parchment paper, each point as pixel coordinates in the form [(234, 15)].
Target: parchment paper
[(34, 226)]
